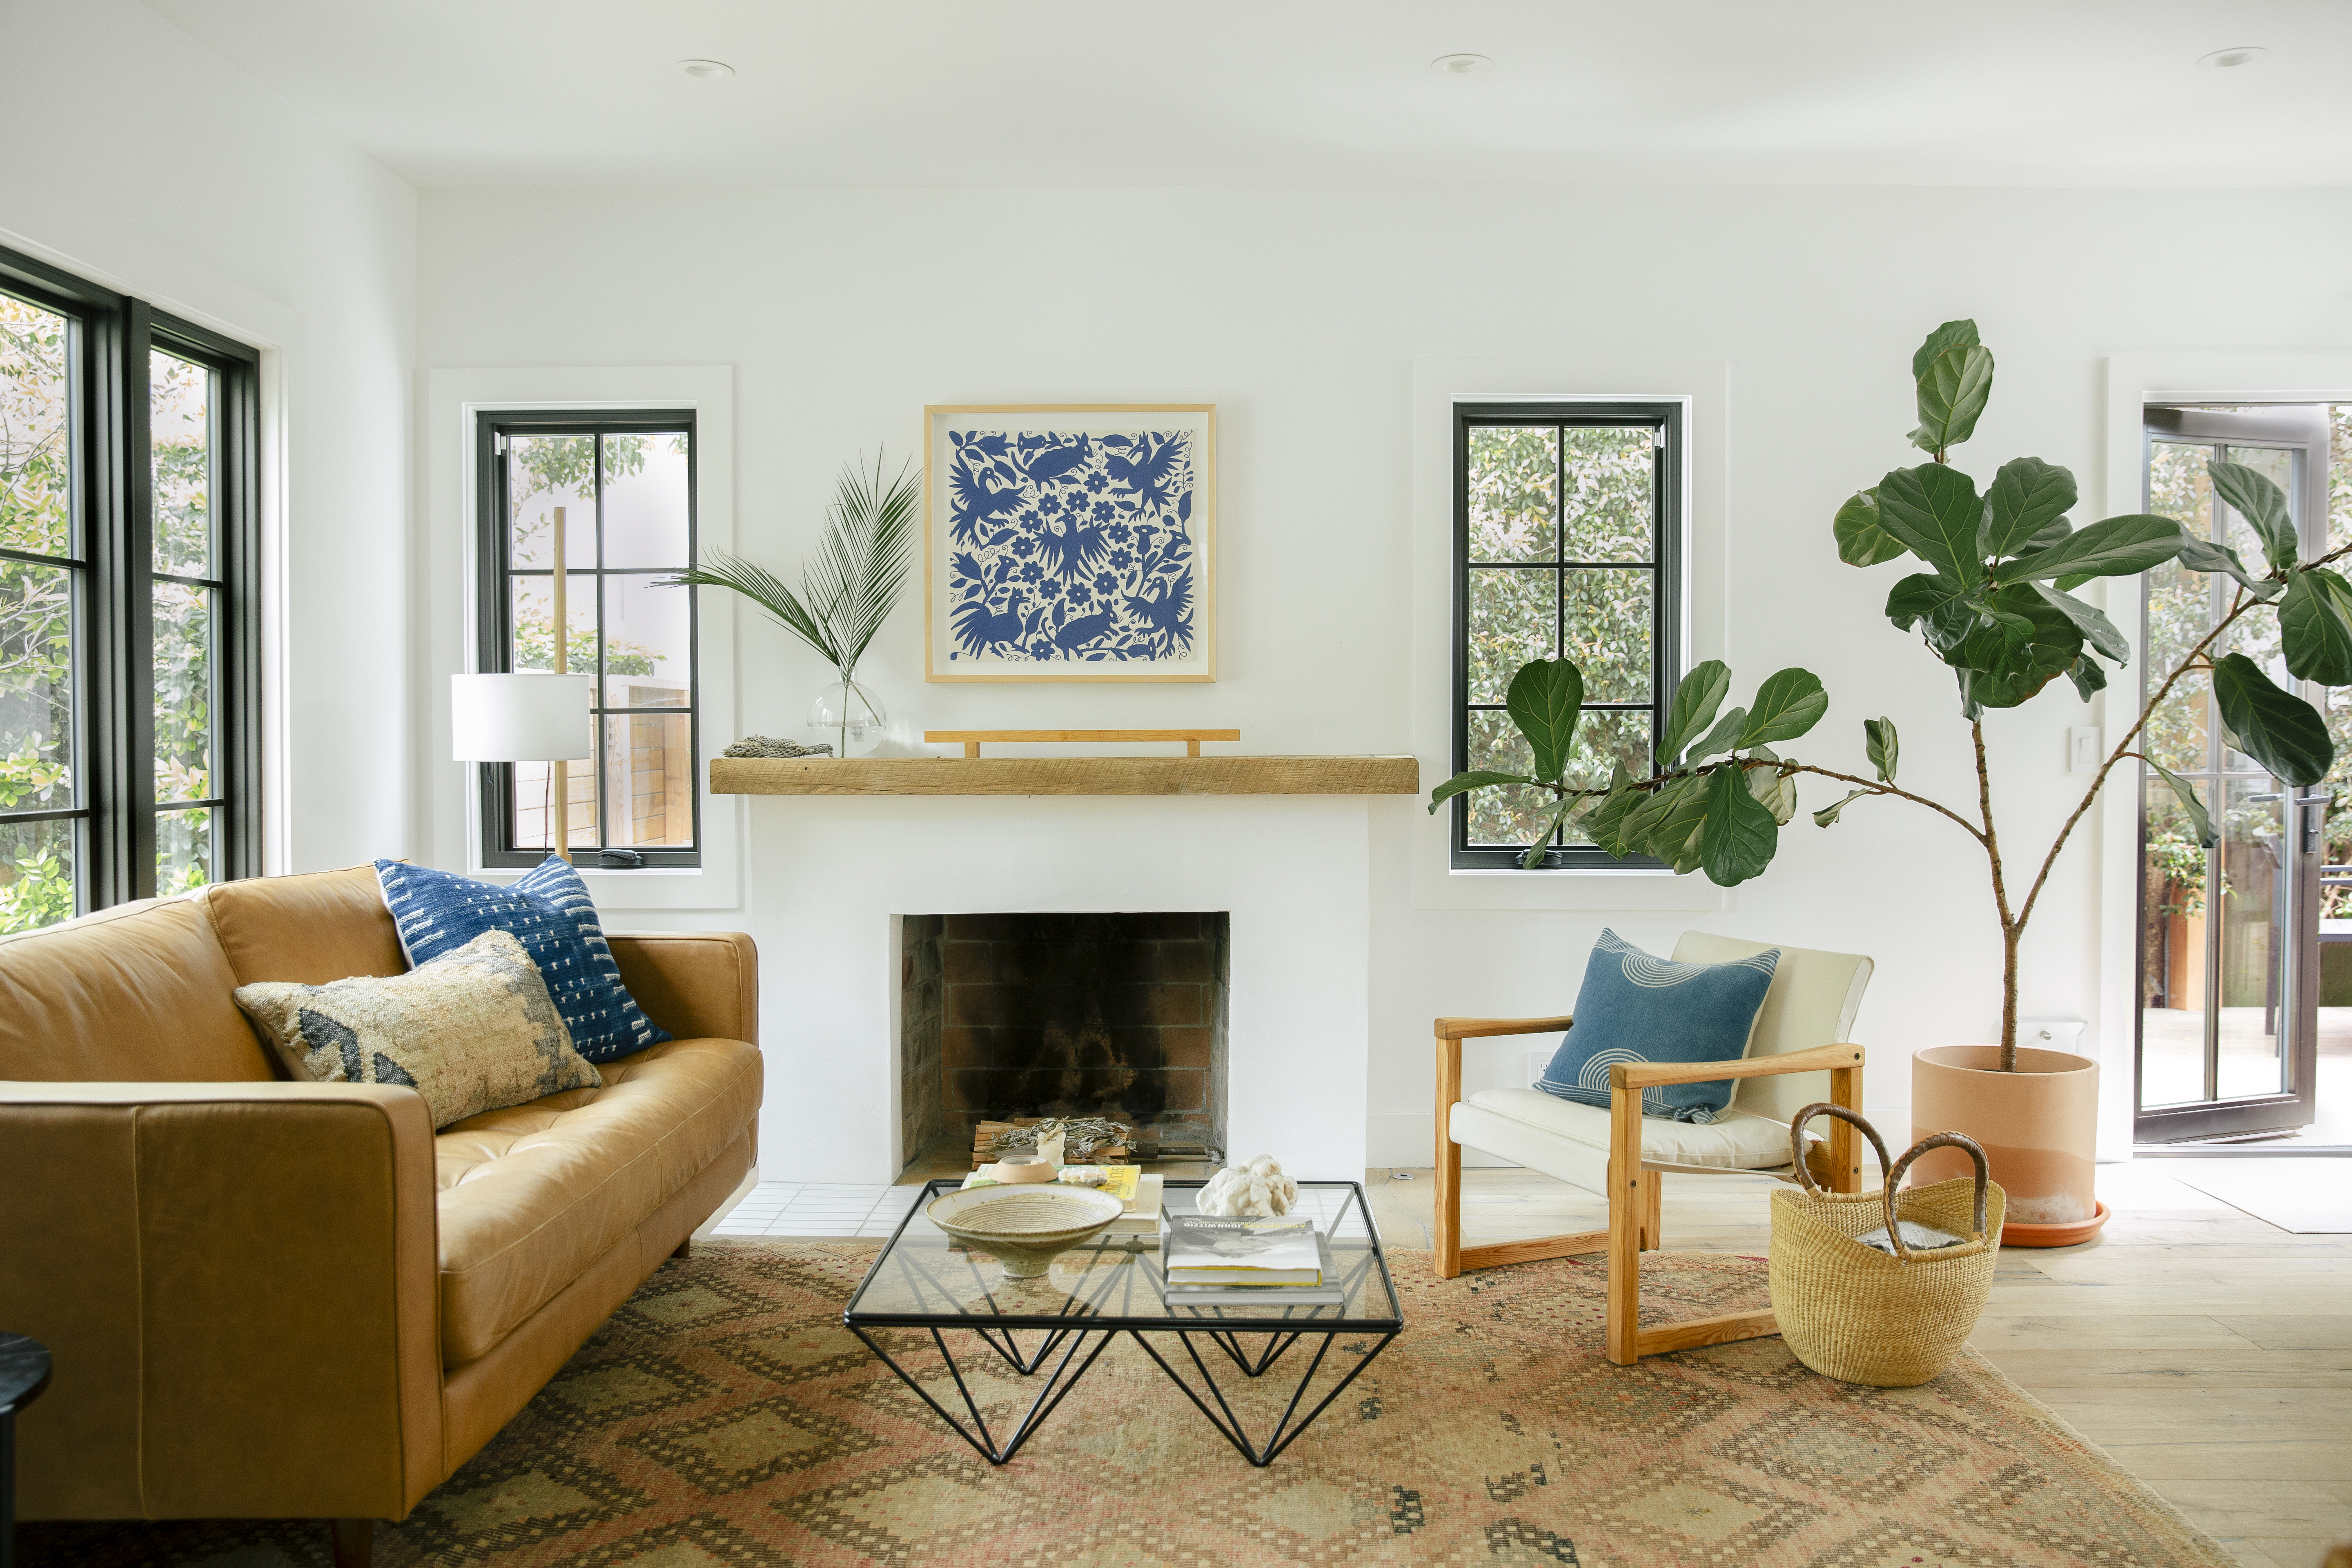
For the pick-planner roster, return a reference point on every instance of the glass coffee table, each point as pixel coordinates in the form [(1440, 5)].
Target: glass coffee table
[(926, 1283)]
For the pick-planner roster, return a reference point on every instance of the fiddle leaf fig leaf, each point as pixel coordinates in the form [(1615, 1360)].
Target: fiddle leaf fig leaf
[(1777, 789), (2001, 673), (1738, 835), (2090, 676), (2204, 555), (1696, 700), (1936, 513), (1951, 334), (1829, 814), (1878, 740), (2112, 547), (2313, 629), (2027, 496), (1789, 702), (1952, 397), (1861, 541), (2276, 727), (2098, 631), (1671, 817), (1936, 605), (2253, 496), (1542, 845), (1722, 738), (2199, 818), (2047, 535), (1544, 700), (1606, 825), (1477, 778)]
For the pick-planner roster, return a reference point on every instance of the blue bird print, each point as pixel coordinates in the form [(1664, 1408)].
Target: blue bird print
[(975, 504), (979, 628), (1167, 617), (1149, 474), (1078, 547)]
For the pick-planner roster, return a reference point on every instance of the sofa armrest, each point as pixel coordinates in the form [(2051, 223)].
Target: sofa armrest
[(239, 1284), (696, 985)]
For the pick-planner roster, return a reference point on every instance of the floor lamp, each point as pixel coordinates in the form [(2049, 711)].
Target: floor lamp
[(526, 718)]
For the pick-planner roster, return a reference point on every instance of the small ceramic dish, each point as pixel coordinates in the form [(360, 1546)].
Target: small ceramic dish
[(1024, 1231), (1015, 1169)]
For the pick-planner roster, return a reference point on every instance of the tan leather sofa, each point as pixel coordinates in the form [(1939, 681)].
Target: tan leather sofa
[(281, 1299)]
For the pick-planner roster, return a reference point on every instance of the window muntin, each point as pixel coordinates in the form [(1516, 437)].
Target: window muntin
[(625, 485), (129, 641), (1564, 545)]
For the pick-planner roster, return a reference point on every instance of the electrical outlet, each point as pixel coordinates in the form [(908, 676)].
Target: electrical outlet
[(2082, 749)]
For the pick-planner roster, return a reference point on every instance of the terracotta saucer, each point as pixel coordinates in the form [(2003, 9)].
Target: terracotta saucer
[(2073, 1233)]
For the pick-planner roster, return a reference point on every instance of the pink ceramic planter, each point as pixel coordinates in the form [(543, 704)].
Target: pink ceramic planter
[(2038, 1125)]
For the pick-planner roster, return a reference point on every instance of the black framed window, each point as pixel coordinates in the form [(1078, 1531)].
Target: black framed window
[(1566, 544), (619, 490), (130, 627)]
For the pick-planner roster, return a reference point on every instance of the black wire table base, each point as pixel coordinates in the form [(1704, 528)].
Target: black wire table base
[(1077, 1357)]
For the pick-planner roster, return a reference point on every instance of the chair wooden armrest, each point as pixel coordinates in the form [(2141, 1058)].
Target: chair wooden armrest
[(1648, 1075), (1480, 1028)]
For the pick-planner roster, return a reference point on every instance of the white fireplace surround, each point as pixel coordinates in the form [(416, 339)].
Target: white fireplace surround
[(832, 877)]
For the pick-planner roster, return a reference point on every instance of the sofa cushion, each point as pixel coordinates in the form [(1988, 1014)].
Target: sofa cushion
[(310, 928), (474, 1030), (530, 1197), (136, 993), (548, 909)]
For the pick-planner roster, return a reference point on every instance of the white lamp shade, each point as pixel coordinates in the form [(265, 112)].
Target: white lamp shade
[(520, 717)]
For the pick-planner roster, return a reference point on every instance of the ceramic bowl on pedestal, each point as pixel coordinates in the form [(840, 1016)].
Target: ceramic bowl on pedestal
[(1025, 1229)]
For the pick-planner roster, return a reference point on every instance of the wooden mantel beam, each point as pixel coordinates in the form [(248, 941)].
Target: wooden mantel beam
[(1065, 776)]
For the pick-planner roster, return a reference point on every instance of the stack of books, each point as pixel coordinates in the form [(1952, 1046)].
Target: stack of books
[(1211, 1261)]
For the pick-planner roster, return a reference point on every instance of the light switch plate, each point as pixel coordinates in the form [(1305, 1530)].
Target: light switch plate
[(2082, 749)]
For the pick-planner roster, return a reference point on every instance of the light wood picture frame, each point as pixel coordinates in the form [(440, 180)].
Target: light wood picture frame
[(1069, 543)]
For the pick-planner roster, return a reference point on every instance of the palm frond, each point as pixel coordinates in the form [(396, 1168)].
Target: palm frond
[(849, 588)]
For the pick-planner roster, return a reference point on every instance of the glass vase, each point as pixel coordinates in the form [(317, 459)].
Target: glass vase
[(849, 717)]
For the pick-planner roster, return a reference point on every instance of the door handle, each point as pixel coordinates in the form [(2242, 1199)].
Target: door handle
[(2311, 824)]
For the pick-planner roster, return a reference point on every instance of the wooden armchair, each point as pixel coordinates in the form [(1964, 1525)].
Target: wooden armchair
[(1796, 1045)]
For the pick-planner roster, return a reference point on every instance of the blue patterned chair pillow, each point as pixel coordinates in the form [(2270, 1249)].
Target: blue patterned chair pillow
[(1637, 1008), (549, 912)]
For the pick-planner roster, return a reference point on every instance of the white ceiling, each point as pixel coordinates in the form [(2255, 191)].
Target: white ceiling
[(1063, 92)]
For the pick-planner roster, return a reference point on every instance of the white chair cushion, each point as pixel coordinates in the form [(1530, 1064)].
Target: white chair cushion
[(1739, 1142)]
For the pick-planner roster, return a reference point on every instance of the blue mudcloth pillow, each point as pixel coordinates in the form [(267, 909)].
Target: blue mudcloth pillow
[(549, 911), (1637, 1008)]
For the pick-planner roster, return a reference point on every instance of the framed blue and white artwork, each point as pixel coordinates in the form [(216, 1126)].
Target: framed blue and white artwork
[(1070, 542)]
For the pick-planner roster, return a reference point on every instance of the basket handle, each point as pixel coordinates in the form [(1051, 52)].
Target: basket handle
[(1797, 1138), (1938, 1140)]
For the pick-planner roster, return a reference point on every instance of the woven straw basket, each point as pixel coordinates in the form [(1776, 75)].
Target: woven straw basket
[(1860, 1315)]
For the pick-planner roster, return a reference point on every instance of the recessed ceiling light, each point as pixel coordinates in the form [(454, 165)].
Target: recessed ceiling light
[(1460, 65), (2227, 59), (707, 70)]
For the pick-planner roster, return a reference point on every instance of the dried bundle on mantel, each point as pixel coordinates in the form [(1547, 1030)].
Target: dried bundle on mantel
[(770, 746), (1093, 1139)]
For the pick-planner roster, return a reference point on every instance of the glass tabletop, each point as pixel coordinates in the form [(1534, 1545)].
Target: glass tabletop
[(925, 1277)]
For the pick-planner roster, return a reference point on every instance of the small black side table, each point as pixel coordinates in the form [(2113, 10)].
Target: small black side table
[(24, 1373)]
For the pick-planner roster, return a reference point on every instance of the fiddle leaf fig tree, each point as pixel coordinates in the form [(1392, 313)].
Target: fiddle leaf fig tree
[(1996, 606)]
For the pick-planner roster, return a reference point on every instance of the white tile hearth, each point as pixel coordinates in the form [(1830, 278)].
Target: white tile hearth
[(818, 1209)]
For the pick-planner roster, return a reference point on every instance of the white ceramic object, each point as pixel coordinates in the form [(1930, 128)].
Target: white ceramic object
[(1258, 1190), (1016, 1170), (1027, 1229)]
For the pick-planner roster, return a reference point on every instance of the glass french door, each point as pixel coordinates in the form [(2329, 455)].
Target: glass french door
[(2230, 950)]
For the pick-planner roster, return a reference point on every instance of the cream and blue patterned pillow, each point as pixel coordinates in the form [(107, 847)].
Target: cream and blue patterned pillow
[(1636, 1008), (549, 911)]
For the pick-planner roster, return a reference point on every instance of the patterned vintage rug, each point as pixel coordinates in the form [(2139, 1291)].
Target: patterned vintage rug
[(724, 1418)]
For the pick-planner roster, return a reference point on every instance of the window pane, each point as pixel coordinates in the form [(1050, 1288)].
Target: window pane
[(1609, 511), (1514, 492), (37, 873), (648, 643), (2172, 1010), (36, 687), (183, 851), (646, 496), (532, 638), (1511, 816), (651, 763), (1514, 618), (544, 472), (36, 430), (534, 805), (183, 691), (2178, 729), (2254, 920), (1605, 621), (179, 432)]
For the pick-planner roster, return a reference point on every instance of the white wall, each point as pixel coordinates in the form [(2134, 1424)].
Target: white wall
[(1302, 314), (142, 160)]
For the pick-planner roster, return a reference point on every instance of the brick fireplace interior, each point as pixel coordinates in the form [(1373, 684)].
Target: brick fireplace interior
[(1064, 1015)]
